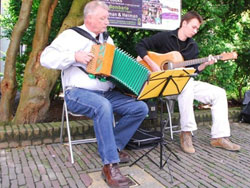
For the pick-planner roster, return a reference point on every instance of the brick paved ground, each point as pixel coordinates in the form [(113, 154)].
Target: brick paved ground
[(49, 166)]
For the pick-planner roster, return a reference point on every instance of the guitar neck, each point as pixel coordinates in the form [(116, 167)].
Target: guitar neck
[(194, 61)]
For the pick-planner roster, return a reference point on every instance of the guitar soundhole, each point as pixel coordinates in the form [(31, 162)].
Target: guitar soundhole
[(164, 65)]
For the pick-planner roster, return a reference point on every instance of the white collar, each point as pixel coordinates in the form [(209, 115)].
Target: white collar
[(86, 29)]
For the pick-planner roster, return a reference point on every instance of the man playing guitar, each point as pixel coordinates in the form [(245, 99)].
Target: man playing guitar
[(180, 40)]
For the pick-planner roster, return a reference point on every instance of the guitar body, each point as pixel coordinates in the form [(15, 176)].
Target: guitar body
[(163, 59)]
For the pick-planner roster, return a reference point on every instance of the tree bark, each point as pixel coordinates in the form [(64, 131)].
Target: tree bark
[(39, 81), (9, 83)]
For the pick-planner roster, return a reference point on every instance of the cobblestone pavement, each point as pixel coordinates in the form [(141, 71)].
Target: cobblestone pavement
[(49, 165)]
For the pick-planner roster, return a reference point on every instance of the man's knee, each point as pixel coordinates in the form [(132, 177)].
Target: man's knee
[(104, 107), (142, 107)]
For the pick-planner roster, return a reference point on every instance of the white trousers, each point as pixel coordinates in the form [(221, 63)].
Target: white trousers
[(207, 94)]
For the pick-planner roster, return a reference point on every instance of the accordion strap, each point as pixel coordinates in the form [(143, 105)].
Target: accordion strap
[(88, 36)]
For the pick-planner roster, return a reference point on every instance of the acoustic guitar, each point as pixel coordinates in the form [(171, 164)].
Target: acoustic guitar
[(174, 59)]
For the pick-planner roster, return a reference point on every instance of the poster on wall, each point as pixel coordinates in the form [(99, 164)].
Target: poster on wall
[(145, 14)]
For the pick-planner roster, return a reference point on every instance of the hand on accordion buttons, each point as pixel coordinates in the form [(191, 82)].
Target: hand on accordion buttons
[(83, 57)]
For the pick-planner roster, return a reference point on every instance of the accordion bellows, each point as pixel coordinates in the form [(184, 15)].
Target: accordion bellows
[(119, 67)]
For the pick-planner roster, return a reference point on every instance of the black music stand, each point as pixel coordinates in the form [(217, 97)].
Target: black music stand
[(164, 83)]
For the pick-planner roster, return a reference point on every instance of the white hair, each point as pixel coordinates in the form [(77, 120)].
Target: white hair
[(92, 5)]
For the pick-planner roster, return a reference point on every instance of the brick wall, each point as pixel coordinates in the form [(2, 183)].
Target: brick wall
[(45, 133)]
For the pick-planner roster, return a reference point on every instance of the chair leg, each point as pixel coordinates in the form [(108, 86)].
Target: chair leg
[(62, 125), (170, 110), (170, 119), (69, 136)]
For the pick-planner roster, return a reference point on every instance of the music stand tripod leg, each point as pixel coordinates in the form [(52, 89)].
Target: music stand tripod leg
[(166, 159), (172, 152), (145, 154)]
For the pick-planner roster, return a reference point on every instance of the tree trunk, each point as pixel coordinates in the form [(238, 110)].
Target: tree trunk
[(39, 81), (9, 84), (75, 16)]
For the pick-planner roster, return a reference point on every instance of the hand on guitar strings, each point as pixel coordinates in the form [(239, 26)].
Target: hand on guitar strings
[(154, 66), (83, 57), (211, 61)]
